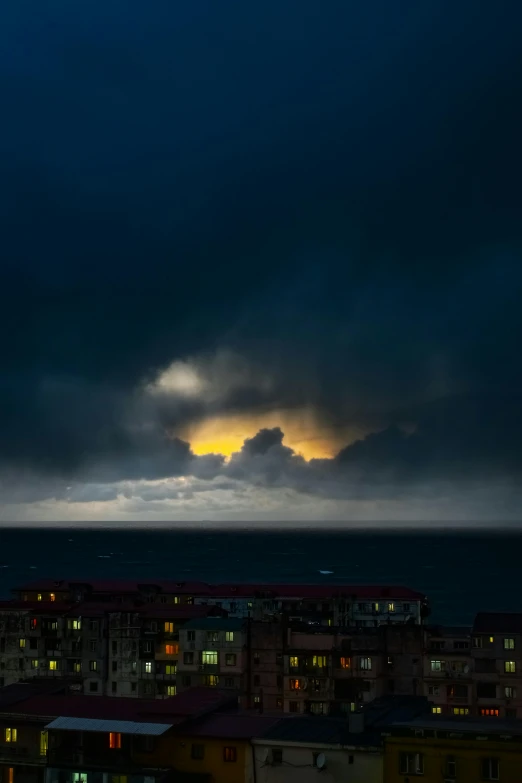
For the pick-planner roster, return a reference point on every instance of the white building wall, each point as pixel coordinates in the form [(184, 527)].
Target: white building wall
[(342, 764)]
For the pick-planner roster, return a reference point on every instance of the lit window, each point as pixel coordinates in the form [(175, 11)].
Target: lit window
[(10, 774), (319, 661), (295, 685), (509, 644), (170, 668), (44, 743), (294, 662), (52, 597), (211, 680), (510, 692), (375, 607), (171, 690), (119, 778), (77, 667), (490, 769), (212, 636), (477, 641), (318, 708), (34, 663), (391, 607), (22, 644), (93, 666), (39, 597), (365, 664), (489, 712), (171, 649), (437, 666), (53, 665), (436, 710), (11, 735), (229, 754), (461, 710), (169, 627), (346, 663), (209, 657), (257, 699), (148, 667), (491, 639), (510, 667), (114, 740), (74, 624), (411, 764), (34, 623), (229, 637)]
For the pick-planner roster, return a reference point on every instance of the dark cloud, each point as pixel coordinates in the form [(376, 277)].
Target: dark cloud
[(331, 191)]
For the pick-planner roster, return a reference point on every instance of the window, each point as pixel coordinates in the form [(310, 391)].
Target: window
[(489, 712), (510, 667), (147, 647), (188, 658), (277, 756), (74, 624), (52, 597), (175, 599), (457, 691), (510, 692), (77, 667), (21, 644), (436, 710), (319, 661), (33, 623), (10, 775), (170, 668), (211, 680), (491, 639), (451, 767), (292, 706), (114, 648), (114, 740), (93, 666), (318, 708), (39, 597), (186, 681), (171, 649), (44, 743), (257, 679), (134, 667), (477, 641), (93, 625), (229, 682), (490, 769), (406, 608), (461, 710), (118, 778), (148, 667), (133, 687), (295, 685), (93, 687), (460, 645), (511, 713), (209, 657), (437, 666), (33, 644), (486, 690), (93, 645), (346, 663), (197, 752), (230, 659), (230, 754), (10, 735), (229, 637), (433, 690), (171, 690), (256, 659), (79, 777), (53, 665), (212, 636), (365, 664), (114, 666), (34, 663), (411, 763), (509, 644), (391, 607), (168, 627), (191, 636), (294, 662)]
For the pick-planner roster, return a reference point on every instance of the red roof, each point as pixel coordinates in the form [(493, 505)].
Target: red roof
[(297, 591), (233, 725)]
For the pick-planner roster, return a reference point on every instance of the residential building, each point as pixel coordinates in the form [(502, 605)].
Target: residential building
[(448, 671), (213, 653), (496, 651), (436, 749)]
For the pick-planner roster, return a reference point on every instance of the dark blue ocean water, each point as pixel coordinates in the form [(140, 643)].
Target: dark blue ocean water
[(461, 573)]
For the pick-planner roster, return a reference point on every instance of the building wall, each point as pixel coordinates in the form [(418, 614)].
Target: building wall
[(341, 764), (176, 752)]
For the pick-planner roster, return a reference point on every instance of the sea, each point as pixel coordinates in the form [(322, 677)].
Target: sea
[(460, 572)]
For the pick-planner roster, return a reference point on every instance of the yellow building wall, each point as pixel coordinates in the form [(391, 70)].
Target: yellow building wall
[(467, 753), (175, 751)]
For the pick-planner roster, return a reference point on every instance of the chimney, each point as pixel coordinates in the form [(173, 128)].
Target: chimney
[(356, 722)]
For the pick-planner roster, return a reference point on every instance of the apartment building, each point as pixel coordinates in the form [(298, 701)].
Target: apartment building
[(496, 652), (213, 654), (448, 670)]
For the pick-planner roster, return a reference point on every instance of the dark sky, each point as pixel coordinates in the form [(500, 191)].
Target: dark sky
[(306, 207)]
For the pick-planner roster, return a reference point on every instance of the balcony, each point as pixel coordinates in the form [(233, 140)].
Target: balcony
[(209, 668), (16, 753), (105, 759)]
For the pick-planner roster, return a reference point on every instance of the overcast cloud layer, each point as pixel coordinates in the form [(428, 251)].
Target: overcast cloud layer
[(229, 208)]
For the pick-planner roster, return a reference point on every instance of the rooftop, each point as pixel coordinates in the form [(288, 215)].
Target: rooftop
[(323, 731), (215, 624), (233, 725), (464, 725)]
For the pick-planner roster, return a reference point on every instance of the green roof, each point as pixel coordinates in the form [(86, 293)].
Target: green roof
[(215, 624)]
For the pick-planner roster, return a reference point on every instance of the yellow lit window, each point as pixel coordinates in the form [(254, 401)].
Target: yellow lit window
[(44, 743), (391, 607), (209, 657), (229, 636), (460, 710), (346, 663), (39, 597), (510, 667), (53, 665), (436, 710), (148, 667), (211, 680), (22, 644), (319, 661), (119, 778), (77, 667), (169, 627), (114, 740), (171, 649), (509, 644), (52, 597), (294, 661), (11, 735), (176, 599), (170, 668), (171, 690), (491, 639), (74, 624), (34, 663)]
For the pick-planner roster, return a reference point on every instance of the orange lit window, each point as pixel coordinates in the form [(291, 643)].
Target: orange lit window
[(230, 754), (346, 663), (52, 597), (114, 740), (489, 712), (169, 627), (171, 649), (295, 685), (10, 775), (34, 623)]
